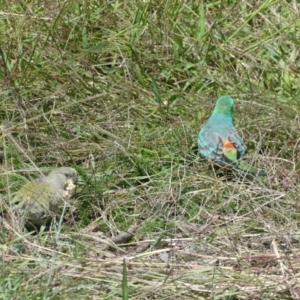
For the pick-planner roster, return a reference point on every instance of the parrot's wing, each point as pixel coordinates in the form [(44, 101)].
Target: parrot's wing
[(31, 202), (209, 144)]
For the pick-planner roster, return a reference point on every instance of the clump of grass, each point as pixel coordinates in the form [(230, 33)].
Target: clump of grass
[(119, 91)]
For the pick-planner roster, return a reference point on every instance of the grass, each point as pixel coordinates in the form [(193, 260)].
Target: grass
[(119, 90)]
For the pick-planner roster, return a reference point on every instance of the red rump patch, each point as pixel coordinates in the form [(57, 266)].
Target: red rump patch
[(228, 145)]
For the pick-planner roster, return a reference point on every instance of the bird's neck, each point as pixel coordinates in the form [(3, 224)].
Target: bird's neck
[(222, 115)]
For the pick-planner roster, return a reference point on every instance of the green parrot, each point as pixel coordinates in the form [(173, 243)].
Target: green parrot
[(219, 141)]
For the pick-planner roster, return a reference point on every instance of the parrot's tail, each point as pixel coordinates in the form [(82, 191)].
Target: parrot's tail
[(250, 170)]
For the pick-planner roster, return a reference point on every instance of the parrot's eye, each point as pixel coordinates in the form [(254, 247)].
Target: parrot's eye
[(70, 175)]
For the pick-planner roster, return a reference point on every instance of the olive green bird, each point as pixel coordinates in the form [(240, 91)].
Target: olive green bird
[(219, 141), (40, 200)]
